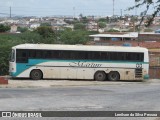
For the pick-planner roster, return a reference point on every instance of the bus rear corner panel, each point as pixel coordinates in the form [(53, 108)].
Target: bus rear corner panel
[(131, 74)]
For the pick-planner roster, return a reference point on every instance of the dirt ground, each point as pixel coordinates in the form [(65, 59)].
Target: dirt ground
[(49, 83), (26, 83)]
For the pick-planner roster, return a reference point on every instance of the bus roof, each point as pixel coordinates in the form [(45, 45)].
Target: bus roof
[(80, 47)]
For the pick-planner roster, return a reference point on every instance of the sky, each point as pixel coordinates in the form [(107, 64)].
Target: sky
[(65, 7)]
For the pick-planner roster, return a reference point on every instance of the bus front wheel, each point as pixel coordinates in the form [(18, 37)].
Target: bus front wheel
[(113, 76), (100, 76), (36, 74)]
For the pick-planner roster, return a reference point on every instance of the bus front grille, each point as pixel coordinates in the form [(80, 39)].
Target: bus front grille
[(138, 73)]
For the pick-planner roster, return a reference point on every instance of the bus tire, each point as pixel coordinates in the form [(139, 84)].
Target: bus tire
[(100, 76), (36, 74), (113, 76)]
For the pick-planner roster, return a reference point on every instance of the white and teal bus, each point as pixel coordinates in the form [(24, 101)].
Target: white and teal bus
[(48, 61)]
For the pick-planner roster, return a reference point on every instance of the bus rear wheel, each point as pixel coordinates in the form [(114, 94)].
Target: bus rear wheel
[(100, 76), (113, 76), (36, 75)]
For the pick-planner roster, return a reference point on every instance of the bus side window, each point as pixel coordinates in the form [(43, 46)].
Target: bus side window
[(55, 54), (32, 54), (128, 56), (121, 56), (90, 55), (113, 55), (83, 55), (94, 55), (79, 55), (47, 54), (105, 56), (66, 55), (22, 56), (39, 54), (140, 57), (75, 55)]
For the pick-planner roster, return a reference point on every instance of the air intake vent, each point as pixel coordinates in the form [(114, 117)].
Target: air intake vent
[(138, 73)]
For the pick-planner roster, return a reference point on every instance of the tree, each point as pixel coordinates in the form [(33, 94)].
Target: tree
[(4, 28), (81, 15), (48, 35), (45, 24), (74, 37), (102, 24), (148, 30), (30, 37), (9, 40), (112, 30), (4, 59), (106, 20), (22, 29), (84, 20), (149, 6), (45, 31), (79, 26)]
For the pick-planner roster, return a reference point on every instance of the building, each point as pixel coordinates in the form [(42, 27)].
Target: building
[(152, 37), (111, 38), (148, 40), (13, 28), (34, 25)]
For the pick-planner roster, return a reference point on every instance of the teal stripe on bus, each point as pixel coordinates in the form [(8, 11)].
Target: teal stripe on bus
[(100, 61), (20, 67)]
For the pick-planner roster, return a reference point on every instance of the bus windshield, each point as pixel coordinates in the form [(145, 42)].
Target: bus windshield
[(12, 56)]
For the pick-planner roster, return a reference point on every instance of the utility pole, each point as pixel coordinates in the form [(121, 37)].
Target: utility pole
[(10, 12), (74, 11), (97, 26), (113, 7), (121, 13)]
